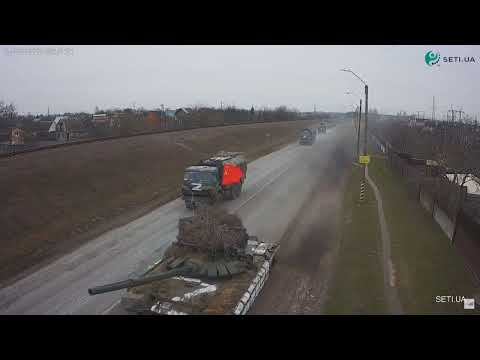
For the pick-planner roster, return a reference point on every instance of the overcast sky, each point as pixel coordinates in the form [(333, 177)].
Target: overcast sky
[(83, 77)]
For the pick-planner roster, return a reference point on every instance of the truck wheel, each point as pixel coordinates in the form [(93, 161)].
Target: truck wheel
[(234, 192), (238, 190), (229, 194)]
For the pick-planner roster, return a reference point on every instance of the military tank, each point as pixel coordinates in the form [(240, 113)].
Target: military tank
[(215, 267)]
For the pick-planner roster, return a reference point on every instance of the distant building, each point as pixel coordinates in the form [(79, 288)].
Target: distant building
[(101, 119), (182, 111), (17, 136), (66, 128), (417, 122), (170, 114)]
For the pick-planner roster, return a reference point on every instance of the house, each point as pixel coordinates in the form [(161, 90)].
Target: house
[(416, 122), (100, 119), (182, 111), (117, 119), (67, 128), (182, 114), (170, 114), (17, 136), (153, 119)]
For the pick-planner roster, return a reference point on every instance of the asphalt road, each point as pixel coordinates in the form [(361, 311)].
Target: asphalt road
[(291, 195)]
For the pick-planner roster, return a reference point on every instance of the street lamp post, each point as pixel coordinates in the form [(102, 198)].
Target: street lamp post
[(359, 122), (366, 120), (362, 185), (366, 108)]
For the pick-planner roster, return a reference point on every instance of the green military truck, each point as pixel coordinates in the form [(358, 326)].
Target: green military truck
[(219, 177)]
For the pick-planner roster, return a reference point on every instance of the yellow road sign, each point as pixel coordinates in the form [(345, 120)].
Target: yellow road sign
[(364, 159)]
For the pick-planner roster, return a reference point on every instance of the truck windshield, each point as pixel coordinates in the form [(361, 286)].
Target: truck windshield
[(203, 177)]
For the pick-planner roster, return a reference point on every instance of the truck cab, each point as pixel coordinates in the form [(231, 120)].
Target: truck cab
[(201, 184), (307, 137)]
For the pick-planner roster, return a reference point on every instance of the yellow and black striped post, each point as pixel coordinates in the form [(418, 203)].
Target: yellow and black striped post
[(362, 191)]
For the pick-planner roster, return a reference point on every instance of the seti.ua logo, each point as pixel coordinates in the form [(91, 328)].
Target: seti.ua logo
[(432, 58)]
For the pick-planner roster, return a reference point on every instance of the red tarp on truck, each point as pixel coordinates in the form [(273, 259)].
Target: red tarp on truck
[(231, 174)]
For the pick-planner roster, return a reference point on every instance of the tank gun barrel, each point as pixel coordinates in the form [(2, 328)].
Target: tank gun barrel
[(183, 270)]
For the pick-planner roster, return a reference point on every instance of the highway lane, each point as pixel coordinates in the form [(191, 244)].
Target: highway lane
[(303, 211), (276, 190)]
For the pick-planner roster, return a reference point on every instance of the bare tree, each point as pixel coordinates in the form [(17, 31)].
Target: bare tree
[(8, 112)]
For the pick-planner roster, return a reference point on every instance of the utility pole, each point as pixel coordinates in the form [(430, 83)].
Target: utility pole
[(433, 112), (450, 112), (365, 150), (358, 134), (366, 123)]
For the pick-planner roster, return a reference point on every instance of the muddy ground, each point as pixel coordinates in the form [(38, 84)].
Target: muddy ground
[(54, 201)]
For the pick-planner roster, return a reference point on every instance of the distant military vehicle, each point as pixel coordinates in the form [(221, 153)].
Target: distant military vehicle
[(322, 128), (308, 136)]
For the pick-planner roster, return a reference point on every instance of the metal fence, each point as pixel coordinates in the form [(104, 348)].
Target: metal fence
[(449, 204)]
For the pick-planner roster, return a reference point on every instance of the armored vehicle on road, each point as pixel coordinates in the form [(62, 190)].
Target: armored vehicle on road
[(214, 267)]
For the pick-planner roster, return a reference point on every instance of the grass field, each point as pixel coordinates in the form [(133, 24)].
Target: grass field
[(357, 283), (426, 264)]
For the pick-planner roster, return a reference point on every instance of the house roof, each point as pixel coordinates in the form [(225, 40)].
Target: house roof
[(472, 184), (181, 110), (53, 126), (73, 124)]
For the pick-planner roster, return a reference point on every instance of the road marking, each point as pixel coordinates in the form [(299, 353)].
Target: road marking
[(111, 307), (263, 187)]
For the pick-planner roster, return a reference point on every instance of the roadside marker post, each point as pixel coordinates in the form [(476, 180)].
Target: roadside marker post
[(362, 191), (364, 160)]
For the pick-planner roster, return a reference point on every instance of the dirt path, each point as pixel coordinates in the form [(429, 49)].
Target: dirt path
[(391, 293)]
